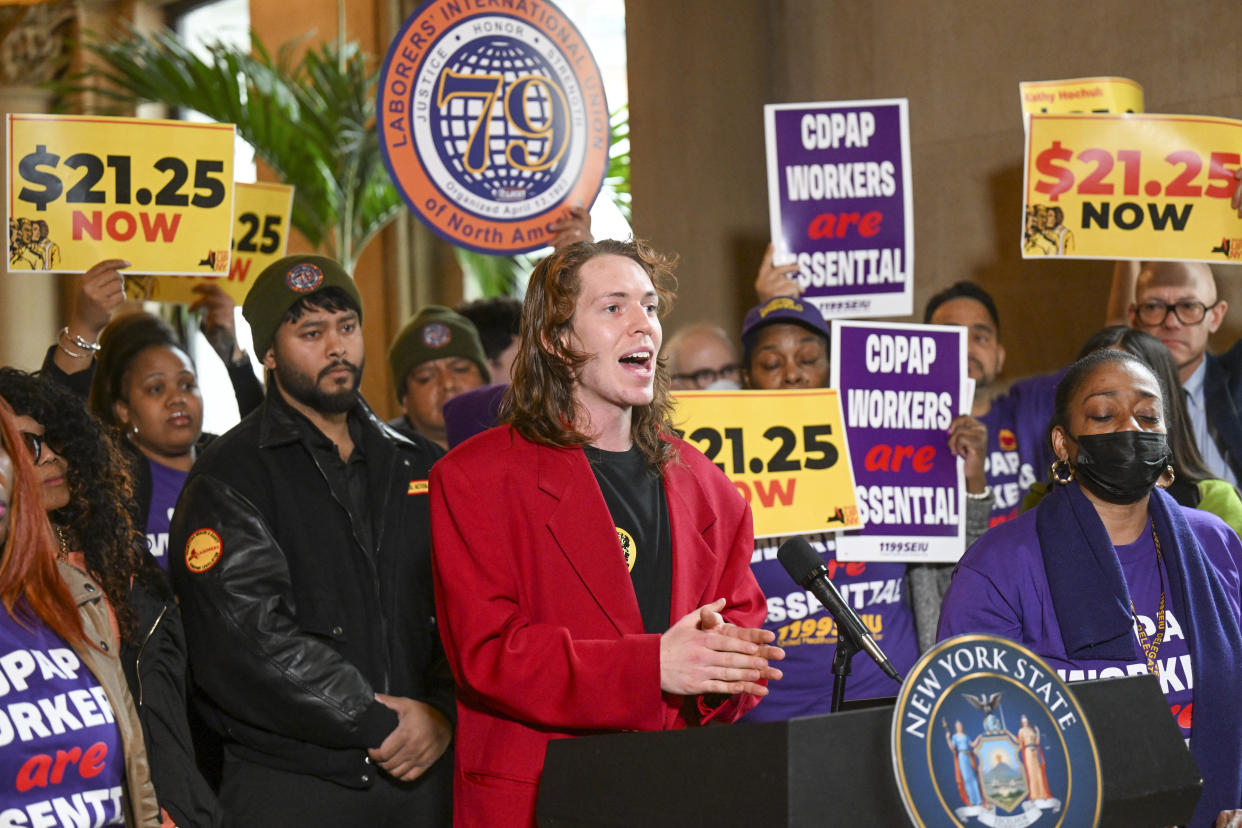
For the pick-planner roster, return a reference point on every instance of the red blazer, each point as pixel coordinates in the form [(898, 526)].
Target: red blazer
[(538, 614)]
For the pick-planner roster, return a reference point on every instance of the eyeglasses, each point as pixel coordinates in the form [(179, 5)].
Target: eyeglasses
[(1154, 312), (35, 444), (707, 376)]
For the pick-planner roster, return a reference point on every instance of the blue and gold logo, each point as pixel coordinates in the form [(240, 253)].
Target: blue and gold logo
[(985, 733), (492, 121)]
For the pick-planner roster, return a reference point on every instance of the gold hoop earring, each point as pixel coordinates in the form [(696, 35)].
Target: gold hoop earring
[(1062, 471), (1168, 472)]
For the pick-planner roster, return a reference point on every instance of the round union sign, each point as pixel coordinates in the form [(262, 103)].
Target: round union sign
[(492, 121)]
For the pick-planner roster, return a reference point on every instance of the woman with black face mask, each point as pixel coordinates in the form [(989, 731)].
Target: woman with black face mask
[(1109, 576)]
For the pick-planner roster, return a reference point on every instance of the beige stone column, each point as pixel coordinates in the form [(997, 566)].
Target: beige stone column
[(32, 46)]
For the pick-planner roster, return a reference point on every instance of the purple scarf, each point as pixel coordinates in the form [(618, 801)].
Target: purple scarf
[(1093, 609)]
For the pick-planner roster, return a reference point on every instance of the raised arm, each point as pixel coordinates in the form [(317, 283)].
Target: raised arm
[(219, 326), (71, 360)]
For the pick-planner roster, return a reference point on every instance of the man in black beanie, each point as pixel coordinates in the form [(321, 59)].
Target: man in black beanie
[(300, 552)]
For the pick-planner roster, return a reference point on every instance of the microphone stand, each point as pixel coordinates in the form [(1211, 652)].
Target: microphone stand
[(841, 659)]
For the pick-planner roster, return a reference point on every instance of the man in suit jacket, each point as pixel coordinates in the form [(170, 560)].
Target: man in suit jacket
[(1176, 302), (591, 569)]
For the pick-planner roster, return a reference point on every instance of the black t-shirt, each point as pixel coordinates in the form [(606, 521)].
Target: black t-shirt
[(634, 493), (347, 479)]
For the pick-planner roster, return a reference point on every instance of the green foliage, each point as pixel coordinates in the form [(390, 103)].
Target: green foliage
[(311, 119), (494, 275), (617, 178)]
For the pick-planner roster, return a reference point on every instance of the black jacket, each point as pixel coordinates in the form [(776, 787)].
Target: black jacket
[(292, 624), (155, 670)]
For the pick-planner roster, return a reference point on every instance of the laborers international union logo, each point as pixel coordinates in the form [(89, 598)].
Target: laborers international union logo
[(492, 120), (985, 733)]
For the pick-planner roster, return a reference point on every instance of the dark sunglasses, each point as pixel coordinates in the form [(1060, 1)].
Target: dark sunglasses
[(36, 442)]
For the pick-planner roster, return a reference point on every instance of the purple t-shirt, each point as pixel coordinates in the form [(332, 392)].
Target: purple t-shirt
[(61, 761), (166, 485), (1000, 586), (1018, 451), (877, 591)]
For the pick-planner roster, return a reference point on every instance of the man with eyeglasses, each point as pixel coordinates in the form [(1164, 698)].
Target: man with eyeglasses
[(1176, 302), (702, 357)]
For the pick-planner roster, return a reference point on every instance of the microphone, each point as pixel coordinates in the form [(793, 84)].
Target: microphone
[(807, 569)]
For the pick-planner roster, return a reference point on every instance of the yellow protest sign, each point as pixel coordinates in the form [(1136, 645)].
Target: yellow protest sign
[(785, 451), (83, 189), (260, 237), (1132, 187), (1083, 95)]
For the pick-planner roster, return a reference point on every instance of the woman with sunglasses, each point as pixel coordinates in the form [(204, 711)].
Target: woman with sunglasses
[(59, 648), (88, 494)]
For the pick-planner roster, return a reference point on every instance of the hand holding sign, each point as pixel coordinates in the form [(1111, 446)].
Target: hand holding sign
[(776, 280), (968, 439), (100, 291), (219, 325), (574, 227)]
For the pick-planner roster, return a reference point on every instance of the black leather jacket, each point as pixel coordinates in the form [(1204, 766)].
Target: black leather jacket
[(292, 624), (155, 670)]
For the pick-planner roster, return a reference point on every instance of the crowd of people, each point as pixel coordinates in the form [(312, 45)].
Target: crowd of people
[(324, 619)]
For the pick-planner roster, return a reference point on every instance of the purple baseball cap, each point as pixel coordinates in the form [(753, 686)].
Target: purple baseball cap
[(782, 309)]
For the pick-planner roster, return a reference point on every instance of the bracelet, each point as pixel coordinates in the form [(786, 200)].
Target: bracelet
[(70, 353), (79, 341), (986, 494)]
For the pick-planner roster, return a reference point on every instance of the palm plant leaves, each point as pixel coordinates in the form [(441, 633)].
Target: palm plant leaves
[(617, 178), (311, 119)]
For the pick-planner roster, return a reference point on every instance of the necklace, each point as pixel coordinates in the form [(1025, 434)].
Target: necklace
[(1151, 646), (62, 553)]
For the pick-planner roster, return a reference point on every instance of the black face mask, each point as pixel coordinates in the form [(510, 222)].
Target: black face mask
[(1121, 466)]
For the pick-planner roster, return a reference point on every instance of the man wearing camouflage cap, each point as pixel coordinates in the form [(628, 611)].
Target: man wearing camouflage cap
[(300, 552)]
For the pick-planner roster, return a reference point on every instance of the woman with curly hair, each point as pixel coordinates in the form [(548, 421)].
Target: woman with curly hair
[(88, 493), (141, 381), (146, 391), (54, 615)]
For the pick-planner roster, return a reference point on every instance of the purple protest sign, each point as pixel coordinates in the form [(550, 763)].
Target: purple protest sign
[(902, 385), (839, 197)]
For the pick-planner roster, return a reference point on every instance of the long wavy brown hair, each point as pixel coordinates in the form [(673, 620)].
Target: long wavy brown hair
[(29, 581), (540, 401)]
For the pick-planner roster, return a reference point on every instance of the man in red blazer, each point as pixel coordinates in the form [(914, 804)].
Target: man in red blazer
[(591, 570)]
